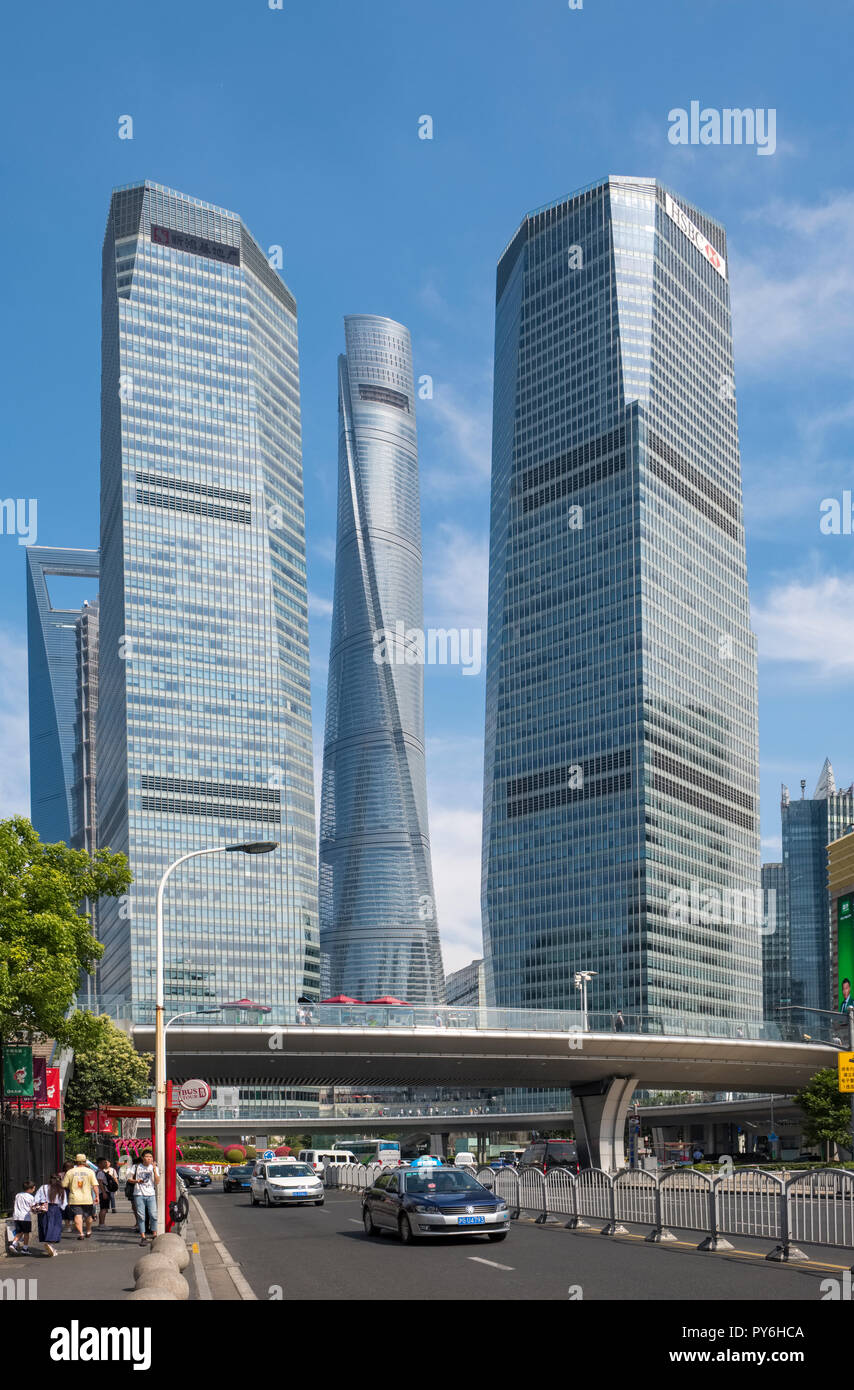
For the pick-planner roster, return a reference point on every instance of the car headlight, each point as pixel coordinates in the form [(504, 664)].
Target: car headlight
[(422, 1206), (502, 1206)]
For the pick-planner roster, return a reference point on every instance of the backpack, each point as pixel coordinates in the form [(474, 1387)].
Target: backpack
[(110, 1183)]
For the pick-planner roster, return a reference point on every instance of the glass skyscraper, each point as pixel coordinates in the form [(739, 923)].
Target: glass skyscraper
[(377, 909), (809, 825), (52, 647), (204, 719), (621, 790), (776, 976)]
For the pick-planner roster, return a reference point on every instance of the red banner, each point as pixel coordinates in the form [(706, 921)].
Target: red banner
[(93, 1123), (46, 1087)]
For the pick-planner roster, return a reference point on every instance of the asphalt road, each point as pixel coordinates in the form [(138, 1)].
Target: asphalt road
[(316, 1253)]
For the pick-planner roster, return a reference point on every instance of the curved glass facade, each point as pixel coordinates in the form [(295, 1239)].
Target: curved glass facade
[(621, 766), (377, 910)]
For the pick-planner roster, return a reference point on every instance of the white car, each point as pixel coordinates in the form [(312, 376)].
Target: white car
[(282, 1181)]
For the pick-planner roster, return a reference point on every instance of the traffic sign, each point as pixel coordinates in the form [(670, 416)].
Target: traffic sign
[(268, 1155), (773, 1138), (845, 1063)]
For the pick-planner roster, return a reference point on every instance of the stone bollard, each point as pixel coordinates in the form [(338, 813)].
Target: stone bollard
[(167, 1278), (173, 1246), (152, 1294), (152, 1262)]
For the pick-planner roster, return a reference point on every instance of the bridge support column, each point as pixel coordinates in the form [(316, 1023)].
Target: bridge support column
[(600, 1109)]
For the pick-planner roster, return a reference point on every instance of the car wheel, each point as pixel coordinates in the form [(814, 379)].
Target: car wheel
[(320, 1203), (497, 1235), (368, 1223), (405, 1230)]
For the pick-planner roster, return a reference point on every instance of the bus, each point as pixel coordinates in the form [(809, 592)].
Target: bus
[(372, 1150)]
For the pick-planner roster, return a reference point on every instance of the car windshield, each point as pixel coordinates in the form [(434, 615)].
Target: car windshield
[(241, 1171), (433, 1181), (289, 1170)]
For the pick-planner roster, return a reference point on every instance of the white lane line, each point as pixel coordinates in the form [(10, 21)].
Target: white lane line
[(478, 1261), (238, 1279), (354, 1220)]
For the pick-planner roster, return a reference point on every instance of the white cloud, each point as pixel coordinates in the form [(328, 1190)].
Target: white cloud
[(14, 727), (455, 850), (809, 624), (318, 606), (772, 845), (456, 577), (457, 433), (791, 302)]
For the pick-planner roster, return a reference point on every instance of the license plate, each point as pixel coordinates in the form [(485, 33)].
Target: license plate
[(471, 1220), (299, 1194)]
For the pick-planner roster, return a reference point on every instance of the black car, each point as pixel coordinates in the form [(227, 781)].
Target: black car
[(194, 1177), (238, 1178), (424, 1201), (550, 1153)]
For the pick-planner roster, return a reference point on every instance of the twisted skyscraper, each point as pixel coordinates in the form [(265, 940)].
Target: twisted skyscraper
[(377, 909)]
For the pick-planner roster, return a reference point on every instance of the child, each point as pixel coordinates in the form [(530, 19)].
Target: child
[(23, 1219)]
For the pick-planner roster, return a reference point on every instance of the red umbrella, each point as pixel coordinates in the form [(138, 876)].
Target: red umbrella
[(390, 999), (342, 999)]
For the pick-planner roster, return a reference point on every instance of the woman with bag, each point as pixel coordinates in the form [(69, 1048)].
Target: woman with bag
[(108, 1183), (49, 1205)]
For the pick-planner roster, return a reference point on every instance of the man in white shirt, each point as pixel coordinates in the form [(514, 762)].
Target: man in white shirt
[(146, 1179)]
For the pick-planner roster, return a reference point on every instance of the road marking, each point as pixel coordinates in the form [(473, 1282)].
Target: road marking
[(239, 1281), (354, 1220), (478, 1261)]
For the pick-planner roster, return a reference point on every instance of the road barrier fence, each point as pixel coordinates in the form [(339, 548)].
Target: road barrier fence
[(814, 1207)]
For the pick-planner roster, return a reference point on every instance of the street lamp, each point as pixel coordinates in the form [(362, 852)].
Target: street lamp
[(582, 980), (250, 847)]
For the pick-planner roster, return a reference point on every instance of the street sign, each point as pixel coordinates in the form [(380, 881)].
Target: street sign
[(845, 1063), (268, 1155), (192, 1095), (773, 1138)]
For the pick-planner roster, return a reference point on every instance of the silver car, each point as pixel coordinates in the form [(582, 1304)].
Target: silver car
[(421, 1201), (285, 1183)]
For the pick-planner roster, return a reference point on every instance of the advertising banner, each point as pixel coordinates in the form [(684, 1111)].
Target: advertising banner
[(18, 1071), (47, 1094), (845, 952)]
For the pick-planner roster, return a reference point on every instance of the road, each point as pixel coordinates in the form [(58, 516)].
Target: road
[(316, 1253)]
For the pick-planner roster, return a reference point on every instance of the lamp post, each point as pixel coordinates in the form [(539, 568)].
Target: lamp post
[(582, 980), (250, 847)]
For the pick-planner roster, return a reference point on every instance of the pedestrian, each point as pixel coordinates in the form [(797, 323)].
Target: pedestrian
[(22, 1219), (82, 1187), (108, 1184), (50, 1205), (146, 1180), (619, 1022), (67, 1213)]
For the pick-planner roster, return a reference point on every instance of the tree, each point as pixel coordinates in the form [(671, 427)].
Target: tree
[(827, 1111), (45, 940), (107, 1068)]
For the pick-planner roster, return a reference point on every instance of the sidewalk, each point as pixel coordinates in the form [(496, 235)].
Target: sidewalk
[(99, 1269)]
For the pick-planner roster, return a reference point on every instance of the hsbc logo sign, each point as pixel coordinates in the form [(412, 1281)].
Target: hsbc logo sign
[(684, 223)]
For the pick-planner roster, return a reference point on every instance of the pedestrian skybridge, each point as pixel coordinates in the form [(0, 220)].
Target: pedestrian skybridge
[(491, 1048)]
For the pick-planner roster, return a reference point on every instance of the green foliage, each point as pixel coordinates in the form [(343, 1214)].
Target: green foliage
[(827, 1111), (44, 940), (107, 1068)]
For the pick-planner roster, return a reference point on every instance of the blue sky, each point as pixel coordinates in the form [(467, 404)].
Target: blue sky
[(305, 121)]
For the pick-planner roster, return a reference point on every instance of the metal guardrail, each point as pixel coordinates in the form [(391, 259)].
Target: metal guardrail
[(813, 1208)]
